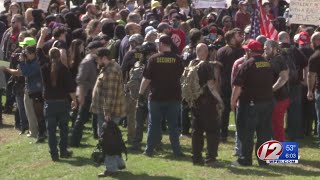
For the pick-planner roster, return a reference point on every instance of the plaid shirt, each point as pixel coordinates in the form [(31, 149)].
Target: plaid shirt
[(108, 93)]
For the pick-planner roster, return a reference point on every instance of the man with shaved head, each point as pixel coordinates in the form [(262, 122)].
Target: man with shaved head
[(205, 115), (314, 72), (297, 63)]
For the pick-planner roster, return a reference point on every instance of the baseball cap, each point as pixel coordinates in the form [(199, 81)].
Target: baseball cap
[(243, 2), (166, 40), (304, 38), (149, 28), (163, 26), (28, 41), (155, 4), (253, 45), (136, 38), (94, 45)]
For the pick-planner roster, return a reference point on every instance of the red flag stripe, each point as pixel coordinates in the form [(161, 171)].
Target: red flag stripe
[(266, 27)]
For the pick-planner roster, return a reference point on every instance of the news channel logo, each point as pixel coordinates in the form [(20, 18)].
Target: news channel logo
[(275, 152)]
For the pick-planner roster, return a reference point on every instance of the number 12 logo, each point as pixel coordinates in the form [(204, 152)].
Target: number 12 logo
[(270, 150)]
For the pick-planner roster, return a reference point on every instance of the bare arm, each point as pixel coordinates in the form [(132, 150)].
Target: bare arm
[(283, 78), (14, 72), (311, 83), (236, 91), (64, 58), (44, 33), (213, 87), (74, 100), (144, 84), (305, 76)]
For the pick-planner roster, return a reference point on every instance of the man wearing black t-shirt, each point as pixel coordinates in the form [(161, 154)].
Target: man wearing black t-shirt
[(227, 55), (314, 72), (206, 111), (163, 73), (280, 88), (297, 63), (253, 89)]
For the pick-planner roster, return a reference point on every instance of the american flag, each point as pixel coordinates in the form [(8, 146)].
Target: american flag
[(261, 24), (255, 23)]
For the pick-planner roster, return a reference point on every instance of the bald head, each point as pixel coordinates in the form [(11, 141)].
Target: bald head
[(202, 51), (284, 37), (315, 39)]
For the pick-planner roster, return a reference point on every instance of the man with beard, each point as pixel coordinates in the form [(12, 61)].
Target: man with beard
[(91, 12), (314, 71), (297, 64), (253, 89), (86, 79), (308, 110), (9, 44), (227, 55), (280, 88)]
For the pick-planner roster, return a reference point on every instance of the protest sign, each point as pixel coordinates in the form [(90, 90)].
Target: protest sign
[(304, 12), (44, 4), (19, 1), (198, 4)]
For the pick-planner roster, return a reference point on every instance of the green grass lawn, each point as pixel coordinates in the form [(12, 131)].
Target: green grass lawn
[(21, 158)]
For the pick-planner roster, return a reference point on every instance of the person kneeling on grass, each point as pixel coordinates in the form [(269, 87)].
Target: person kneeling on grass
[(112, 148)]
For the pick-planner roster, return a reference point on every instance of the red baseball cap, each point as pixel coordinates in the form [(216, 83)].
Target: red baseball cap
[(253, 45), (304, 38)]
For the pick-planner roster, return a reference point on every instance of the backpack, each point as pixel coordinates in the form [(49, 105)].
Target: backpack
[(135, 78), (112, 48), (287, 54), (190, 86), (111, 140)]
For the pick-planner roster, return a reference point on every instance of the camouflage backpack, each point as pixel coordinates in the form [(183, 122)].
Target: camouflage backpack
[(190, 86), (135, 78)]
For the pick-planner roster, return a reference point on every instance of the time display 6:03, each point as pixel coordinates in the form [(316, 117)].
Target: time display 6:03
[(291, 155)]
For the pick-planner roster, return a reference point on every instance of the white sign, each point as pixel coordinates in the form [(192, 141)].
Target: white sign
[(44, 4), (21, 1), (304, 12), (198, 4)]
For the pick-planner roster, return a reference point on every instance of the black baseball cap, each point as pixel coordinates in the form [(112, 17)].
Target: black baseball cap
[(103, 52), (94, 45), (166, 40)]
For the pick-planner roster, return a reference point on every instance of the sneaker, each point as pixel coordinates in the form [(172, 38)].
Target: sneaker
[(198, 162), (122, 167), (40, 139), (66, 154), (212, 163), (55, 158), (236, 164), (106, 174), (240, 163), (147, 154)]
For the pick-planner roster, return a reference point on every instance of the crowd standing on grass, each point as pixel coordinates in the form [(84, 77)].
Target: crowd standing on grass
[(160, 64)]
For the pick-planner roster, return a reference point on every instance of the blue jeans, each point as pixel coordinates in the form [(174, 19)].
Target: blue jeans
[(22, 112), (82, 118), (157, 110), (317, 104), (253, 118), (294, 113), (56, 113), (141, 116)]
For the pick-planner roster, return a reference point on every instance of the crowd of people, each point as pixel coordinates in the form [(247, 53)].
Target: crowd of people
[(133, 62)]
